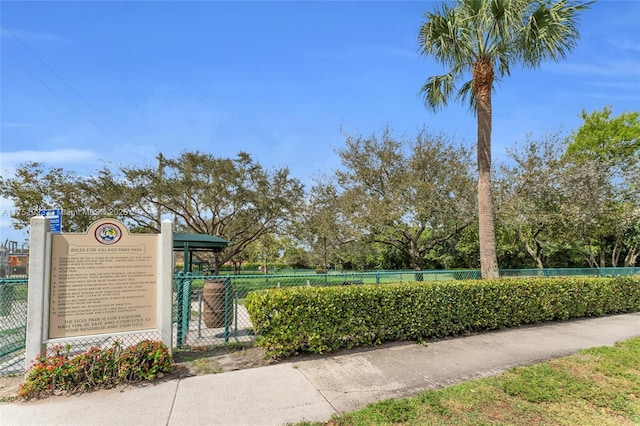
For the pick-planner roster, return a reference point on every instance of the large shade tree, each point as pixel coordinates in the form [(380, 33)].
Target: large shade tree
[(531, 200), (410, 196), (486, 39), (604, 157), (324, 228), (34, 186), (236, 199)]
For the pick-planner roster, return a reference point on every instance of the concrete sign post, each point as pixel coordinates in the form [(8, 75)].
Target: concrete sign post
[(106, 281)]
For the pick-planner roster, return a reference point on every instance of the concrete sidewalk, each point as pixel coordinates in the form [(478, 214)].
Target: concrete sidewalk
[(314, 389)]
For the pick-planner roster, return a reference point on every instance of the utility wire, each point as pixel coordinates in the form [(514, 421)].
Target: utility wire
[(17, 83), (64, 82), (36, 97), (4, 52)]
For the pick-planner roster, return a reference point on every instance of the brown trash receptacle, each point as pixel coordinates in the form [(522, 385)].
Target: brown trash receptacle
[(213, 297)]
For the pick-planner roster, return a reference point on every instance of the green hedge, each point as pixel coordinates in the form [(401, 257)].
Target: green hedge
[(322, 319)]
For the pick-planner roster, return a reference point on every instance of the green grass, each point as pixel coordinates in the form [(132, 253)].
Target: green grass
[(245, 283), (598, 386)]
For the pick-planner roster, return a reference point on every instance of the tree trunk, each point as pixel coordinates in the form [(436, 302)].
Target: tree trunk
[(416, 259), (632, 256), (216, 264), (535, 254), (482, 85), (616, 251), (591, 258)]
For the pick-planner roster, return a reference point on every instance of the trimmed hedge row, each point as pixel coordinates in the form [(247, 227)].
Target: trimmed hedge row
[(322, 319)]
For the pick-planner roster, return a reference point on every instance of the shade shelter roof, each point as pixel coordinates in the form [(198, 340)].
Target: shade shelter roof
[(199, 242), (189, 243)]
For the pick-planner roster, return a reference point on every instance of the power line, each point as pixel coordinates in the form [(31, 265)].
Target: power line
[(4, 52), (65, 83), (17, 83)]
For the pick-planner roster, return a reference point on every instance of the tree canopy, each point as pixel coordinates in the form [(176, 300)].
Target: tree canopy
[(613, 140), (236, 199), (411, 196), (604, 154), (395, 202)]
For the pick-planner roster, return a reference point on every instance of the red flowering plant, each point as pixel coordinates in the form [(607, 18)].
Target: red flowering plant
[(63, 372), (146, 360)]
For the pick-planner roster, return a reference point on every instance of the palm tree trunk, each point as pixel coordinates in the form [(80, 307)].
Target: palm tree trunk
[(482, 85)]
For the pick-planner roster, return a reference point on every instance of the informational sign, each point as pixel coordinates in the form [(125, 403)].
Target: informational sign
[(55, 219), (104, 281)]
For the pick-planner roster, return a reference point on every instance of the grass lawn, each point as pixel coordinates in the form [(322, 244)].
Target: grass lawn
[(598, 386), (245, 283)]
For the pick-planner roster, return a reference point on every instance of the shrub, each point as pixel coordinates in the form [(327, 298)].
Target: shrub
[(322, 319), (146, 360), (95, 368)]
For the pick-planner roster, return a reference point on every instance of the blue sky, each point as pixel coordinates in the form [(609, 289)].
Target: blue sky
[(88, 84)]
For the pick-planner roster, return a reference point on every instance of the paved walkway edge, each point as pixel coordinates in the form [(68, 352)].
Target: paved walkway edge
[(316, 388)]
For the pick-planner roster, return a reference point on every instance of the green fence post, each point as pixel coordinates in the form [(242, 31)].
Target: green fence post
[(177, 289), (184, 307), (227, 306)]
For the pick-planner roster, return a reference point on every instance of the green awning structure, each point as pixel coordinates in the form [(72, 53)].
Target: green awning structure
[(189, 243)]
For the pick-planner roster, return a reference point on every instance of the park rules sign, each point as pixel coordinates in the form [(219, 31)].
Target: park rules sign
[(104, 281)]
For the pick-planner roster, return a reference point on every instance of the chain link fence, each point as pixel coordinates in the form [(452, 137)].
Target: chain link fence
[(13, 330), (209, 310), (570, 272), (13, 323)]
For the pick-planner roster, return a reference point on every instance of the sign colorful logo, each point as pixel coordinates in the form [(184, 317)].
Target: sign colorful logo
[(108, 233)]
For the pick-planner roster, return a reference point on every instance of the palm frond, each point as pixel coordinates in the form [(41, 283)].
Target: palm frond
[(550, 32), (504, 32), (466, 94), (443, 36), (437, 91)]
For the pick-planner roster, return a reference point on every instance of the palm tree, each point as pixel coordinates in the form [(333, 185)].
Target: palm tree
[(485, 38)]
